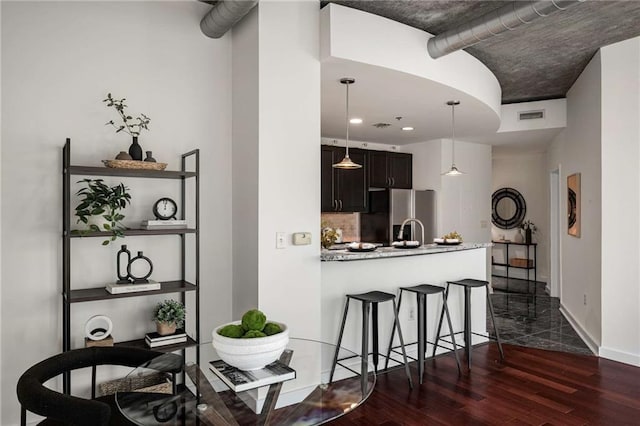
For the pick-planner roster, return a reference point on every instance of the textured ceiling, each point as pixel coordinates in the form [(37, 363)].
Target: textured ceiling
[(540, 60)]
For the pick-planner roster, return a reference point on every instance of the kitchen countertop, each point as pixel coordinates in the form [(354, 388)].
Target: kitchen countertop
[(383, 252)]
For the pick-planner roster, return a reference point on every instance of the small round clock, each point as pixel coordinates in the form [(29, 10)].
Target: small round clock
[(165, 209)]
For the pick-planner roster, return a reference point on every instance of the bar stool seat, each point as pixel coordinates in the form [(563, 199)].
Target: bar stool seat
[(370, 302), (468, 284), (421, 291)]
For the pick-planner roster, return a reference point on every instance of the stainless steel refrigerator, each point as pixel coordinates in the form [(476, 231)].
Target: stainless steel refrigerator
[(390, 207)]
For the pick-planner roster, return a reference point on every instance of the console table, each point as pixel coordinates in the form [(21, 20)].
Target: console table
[(531, 262)]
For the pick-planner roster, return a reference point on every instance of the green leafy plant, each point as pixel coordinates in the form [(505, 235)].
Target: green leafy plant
[(100, 199), (170, 312), (130, 125)]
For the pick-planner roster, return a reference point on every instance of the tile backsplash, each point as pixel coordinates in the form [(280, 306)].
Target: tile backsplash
[(348, 222)]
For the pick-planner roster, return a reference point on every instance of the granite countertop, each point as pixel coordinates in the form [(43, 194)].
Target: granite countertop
[(382, 252)]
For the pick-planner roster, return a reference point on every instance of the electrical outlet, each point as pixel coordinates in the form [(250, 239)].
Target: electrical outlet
[(585, 300), (412, 314)]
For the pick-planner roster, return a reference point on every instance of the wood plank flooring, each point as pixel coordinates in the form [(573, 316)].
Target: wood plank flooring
[(531, 387)]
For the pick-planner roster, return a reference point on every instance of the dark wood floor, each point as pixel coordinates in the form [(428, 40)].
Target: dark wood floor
[(531, 387)]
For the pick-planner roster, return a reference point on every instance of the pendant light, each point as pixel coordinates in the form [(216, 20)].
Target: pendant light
[(454, 170), (346, 162)]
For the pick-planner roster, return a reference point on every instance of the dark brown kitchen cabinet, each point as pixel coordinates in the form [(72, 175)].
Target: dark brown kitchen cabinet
[(390, 169), (343, 190)]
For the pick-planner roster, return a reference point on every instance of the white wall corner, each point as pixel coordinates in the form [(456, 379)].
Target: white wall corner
[(582, 332)]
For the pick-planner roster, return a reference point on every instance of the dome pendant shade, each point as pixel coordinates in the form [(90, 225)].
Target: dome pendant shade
[(346, 163), (454, 170)]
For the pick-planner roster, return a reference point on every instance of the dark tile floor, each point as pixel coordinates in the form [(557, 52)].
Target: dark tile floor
[(527, 316)]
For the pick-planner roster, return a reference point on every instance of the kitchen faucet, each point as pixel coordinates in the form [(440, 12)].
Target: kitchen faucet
[(411, 219)]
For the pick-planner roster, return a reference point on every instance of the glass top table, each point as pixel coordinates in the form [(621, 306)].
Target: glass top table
[(193, 395)]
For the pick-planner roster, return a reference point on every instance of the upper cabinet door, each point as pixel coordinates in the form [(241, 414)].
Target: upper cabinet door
[(400, 166), (353, 188), (343, 190), (378, 169), (390, 170), (327, 195)]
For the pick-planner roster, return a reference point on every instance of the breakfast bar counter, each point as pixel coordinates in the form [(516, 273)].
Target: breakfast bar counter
[(380, 252), (387, 269)]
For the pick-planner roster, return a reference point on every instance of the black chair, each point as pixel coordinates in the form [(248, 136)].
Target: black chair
[(468, 284), (62, 409)]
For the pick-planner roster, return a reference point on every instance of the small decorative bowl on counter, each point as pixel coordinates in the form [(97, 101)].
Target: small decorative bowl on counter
[(361, 247), (250, 353), (405, 244), (447, 241)]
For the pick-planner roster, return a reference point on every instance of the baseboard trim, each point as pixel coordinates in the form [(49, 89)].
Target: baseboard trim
[(584, 335), (624, 357)]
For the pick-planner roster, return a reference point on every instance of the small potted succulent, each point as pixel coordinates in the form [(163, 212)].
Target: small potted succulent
[(169, 315), (100, 206)]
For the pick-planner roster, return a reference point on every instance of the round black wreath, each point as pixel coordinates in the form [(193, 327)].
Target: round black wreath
[(521, 208)]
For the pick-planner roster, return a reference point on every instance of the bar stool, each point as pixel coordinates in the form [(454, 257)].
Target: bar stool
[(370, 302), (468, 284), (422, 291)]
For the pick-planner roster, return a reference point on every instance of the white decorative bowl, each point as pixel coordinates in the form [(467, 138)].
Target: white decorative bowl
[(252, 353)]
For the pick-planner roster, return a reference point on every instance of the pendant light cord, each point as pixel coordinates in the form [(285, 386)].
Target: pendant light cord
[(347, 122), (453, 135)]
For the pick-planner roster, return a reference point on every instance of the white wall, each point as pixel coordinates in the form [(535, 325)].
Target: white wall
[(246, 151), (58, 62), (528, 174), (620, 201), (464, 202), (577, 150), (288, 168)]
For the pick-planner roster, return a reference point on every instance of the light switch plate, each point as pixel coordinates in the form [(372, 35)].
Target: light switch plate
[(280, 240), (301, 238)]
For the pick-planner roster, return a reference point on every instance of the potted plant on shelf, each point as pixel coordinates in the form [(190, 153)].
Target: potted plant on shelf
[(169, 315), (130, 125), (99, 200)]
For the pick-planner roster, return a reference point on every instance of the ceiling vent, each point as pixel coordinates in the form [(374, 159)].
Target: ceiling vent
[(530, 115), (381, 125)]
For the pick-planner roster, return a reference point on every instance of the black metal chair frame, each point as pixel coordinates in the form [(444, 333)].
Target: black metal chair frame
[(468, 284), (422, 291), (39, 399), (369, 302)]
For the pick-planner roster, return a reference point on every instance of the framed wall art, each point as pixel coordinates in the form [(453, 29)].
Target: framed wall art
[(573, 204)]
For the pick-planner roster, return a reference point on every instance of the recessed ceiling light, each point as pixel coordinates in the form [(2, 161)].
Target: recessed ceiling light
[(356, 121), (407, 129)]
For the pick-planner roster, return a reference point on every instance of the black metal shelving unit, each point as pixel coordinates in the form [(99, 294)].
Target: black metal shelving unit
[(181, 286), (507, 265)]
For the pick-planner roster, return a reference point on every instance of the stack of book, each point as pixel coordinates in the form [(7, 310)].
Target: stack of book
[(240, 380), (115, 288), (154, 340), (164, 224)]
